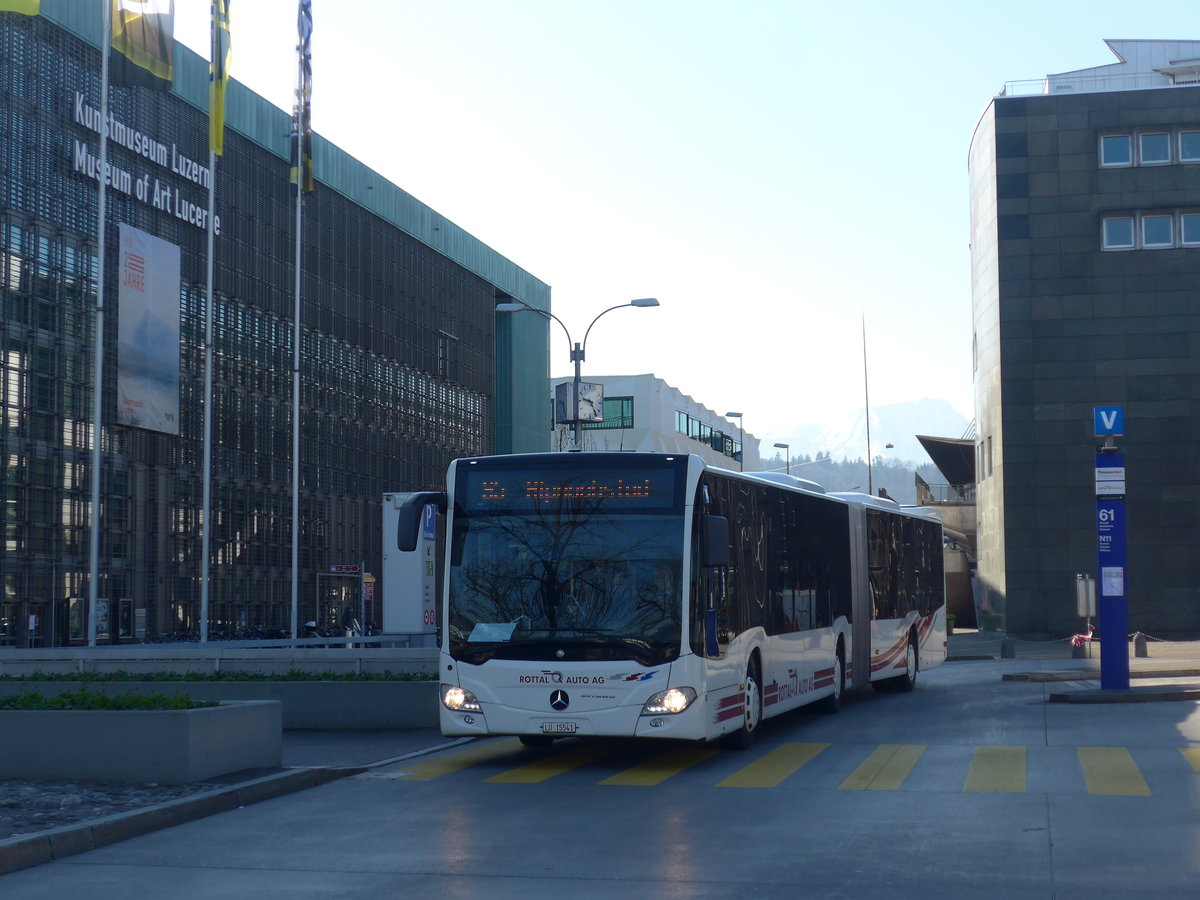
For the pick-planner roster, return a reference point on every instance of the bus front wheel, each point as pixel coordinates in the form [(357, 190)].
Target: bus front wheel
[(752, 710), (908, 680)]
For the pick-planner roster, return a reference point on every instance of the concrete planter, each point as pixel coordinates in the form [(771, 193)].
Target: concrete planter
[(164, 746), (351, 705)]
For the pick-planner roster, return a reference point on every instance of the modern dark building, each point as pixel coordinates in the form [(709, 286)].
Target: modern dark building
[(1085, 249), (403, 363)]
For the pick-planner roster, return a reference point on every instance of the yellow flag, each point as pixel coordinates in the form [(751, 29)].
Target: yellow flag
[(143, 38), (218, 75)]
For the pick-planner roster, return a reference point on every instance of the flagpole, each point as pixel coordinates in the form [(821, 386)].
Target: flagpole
[(98, 379), (206, 515), (296, 384), (217, 74)]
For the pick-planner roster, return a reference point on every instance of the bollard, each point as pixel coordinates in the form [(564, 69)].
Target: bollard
[(1139, 645), (1008, 649), (1079, 651)]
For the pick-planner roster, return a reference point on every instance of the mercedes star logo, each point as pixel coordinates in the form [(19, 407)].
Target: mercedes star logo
[(559, 700)]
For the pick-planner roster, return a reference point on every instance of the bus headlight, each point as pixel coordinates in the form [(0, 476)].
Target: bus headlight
[(669, 702), (459, 700)]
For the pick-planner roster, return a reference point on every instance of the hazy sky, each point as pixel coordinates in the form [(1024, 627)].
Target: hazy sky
[(774, 172)]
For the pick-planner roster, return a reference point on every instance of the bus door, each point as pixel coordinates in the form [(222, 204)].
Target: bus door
[(715, 623)]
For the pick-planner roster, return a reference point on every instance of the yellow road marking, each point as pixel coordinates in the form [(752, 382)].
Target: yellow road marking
[(885, 769), (1192, 755), (453, 762), (773, 768), (998, 770), (542, 769), (1111, 770), (659, 769)]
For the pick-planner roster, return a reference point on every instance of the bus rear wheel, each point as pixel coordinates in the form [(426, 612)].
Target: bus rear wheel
[(743, 738), (833, 702)]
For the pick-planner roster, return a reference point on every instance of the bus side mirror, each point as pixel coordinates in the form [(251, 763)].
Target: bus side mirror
[(409, 516), (714, 542)]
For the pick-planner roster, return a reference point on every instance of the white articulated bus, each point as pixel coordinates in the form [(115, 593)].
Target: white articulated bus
[(650, 595)]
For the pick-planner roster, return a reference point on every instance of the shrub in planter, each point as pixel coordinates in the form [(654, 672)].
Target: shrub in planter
[(170, 739), (93, 700)]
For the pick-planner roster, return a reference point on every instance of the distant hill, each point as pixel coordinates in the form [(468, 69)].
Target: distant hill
[(898, 424)]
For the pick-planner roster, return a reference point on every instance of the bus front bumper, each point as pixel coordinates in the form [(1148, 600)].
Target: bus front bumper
[(622, 721)]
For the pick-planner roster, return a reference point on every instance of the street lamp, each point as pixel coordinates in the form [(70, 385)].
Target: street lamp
[(741, 440), (577, 350), (786, 448)]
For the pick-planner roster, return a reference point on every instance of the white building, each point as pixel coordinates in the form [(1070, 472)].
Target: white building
[(644, 413)]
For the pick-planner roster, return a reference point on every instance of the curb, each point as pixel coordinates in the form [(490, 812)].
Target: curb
[(1133, 695), (26, 850), (1092, 674)]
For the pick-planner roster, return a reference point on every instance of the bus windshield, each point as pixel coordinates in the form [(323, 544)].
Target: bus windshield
[(553, 564)]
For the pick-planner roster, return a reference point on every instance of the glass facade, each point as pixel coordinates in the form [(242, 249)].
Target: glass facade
[(398, 362)]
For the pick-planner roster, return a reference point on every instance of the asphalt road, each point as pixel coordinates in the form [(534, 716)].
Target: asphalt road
[(970, 786)]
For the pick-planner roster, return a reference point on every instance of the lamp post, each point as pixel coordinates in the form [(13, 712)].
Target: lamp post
[(787, 450), (578, 350), (741, 440)]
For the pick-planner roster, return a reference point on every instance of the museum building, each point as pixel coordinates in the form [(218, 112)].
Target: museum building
[(403, 362)]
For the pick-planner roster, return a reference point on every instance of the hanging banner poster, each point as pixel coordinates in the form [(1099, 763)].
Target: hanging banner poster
[(148, 332)]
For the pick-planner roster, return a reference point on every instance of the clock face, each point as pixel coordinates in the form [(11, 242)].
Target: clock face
[(591, 402)]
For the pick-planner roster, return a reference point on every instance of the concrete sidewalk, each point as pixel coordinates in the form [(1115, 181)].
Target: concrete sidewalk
[(1169, 672), (310, 758), (996, 645)]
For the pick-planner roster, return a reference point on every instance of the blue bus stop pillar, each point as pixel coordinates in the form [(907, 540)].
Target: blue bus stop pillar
[(1112, 602)]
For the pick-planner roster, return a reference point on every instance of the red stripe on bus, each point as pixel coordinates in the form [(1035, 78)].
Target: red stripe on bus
[(729, 714)]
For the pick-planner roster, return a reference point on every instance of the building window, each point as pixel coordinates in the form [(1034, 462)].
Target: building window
[(1151, 231), (1157, 231), (1155, 148), (618, 413), (1118, 233), (1189, 146), (706, 434), (1189, 229), (1116, 150)]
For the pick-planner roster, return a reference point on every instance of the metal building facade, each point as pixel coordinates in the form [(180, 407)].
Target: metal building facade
[(399, 356)]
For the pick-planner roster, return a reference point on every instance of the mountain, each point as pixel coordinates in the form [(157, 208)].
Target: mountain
[(898, 424)]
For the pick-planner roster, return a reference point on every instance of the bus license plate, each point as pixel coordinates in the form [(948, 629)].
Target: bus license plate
[(558, 728)]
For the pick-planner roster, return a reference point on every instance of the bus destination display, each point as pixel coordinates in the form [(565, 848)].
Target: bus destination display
[(481, 490)]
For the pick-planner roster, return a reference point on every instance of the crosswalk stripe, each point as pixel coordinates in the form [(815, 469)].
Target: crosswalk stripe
[(992, 769), (542, 769), (998, 770), (885, 769), (773, 768), (1192, 755), (657, 770), (444, 765), (1111, 770)]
